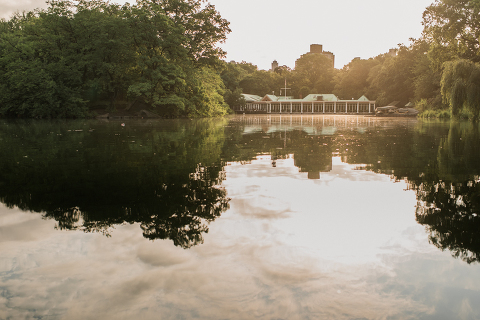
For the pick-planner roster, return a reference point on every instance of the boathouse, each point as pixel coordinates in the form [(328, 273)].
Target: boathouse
[(311, 104)]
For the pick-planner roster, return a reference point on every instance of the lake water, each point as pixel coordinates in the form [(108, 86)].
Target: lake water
[(247, 217)]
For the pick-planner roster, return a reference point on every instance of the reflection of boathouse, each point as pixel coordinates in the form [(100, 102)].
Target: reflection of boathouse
[(311, 104)]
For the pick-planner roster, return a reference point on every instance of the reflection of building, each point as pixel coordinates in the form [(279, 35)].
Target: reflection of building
[(314, 175), (318, 48), (311, 104), (313, 158)]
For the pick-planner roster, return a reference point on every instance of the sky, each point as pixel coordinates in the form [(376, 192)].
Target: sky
[(267, 30)]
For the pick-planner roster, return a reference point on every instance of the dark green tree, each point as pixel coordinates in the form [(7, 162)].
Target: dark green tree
[(70, 57), (394, 80), (39, 76), (353, 80), (232, 74), (427, 79), (314, 73), (452, 28), (103, 45), (262, 82), (461, 86), (203, 25)]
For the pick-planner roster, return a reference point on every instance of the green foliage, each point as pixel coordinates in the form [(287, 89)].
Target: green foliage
[(203, 25), (231, 75), (444, 114), (435, 114), (452, 28), (38, 77), (208, 90), (262, 82), (60, 61), (354, 79), (394, 80), (414, 74), (460, 86), (421, 105), (450, 40), (234, 98), (314, 73), (426, 78)]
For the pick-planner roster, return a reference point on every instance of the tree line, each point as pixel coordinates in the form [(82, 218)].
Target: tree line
[(439, 72), (72, 58)]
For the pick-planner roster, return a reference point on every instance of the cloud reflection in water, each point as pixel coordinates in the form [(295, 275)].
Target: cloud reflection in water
[(288, 248)]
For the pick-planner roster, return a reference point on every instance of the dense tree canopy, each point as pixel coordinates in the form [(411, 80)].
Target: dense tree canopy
[(452, 27), (314, 73), (71, 57), (353, 80), (461, 86), (452, 31)]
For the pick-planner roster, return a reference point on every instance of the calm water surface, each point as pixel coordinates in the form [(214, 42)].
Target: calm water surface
[(248, 217)]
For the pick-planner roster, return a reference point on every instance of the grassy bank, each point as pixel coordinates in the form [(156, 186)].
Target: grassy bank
[(445, 114)]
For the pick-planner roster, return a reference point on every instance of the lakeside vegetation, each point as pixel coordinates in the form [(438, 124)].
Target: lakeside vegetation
[(71, 60)]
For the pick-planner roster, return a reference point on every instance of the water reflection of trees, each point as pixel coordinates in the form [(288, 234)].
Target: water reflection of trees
[(166, 176), (441, 164), (449, 204), (449, 211), (438, 161)]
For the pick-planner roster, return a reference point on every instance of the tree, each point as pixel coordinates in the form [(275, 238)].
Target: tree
[(159, 75), (232, 74), (427, 79), (393, 81), (208, 90), (203, 25), (39, 76), (103, 41), (452, 28), (176, 51), (261, 82), (314, 73), (461, 86), (59, 61), (353, 80)]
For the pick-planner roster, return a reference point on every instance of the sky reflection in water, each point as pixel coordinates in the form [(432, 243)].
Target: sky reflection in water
[(345, 246)]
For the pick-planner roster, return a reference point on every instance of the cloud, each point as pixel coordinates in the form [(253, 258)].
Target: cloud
[(261, 274), (149, 253), (24, 227)]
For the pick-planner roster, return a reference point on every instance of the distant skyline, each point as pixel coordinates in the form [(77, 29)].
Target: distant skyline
[(267, 30)]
